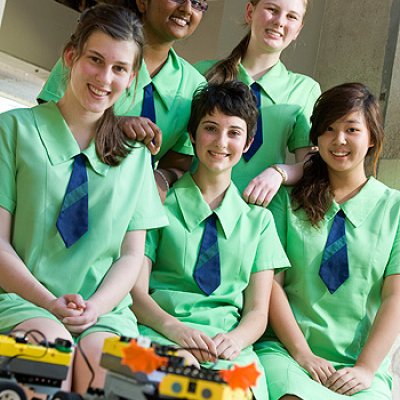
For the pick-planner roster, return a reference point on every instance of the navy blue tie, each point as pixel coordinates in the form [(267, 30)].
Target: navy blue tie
[(334, 268), (148, 109), (258, 138), (72, 222), (207, 272)]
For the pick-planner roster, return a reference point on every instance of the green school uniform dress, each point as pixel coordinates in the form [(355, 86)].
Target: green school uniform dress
[(36, 158), (336, 326), (247, 243), (174, 86), (287, 100)]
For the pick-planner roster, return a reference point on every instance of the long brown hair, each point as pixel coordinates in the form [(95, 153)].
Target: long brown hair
[(120, 24), (313, 192), (227, 69)]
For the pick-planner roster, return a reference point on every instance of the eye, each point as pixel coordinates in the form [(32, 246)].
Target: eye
[(95, 60), (235, 133), (329, 129), (119, 69), (293, 17), (210, 128), (352, 129)]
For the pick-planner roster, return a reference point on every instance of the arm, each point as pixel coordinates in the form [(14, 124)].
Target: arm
[(16, 277), (122, 275), (264, 186), (383, 333), (170, 168), (285, 326), (149, 313), (254, 317)]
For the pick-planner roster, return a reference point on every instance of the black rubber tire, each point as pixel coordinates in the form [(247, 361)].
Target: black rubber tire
[(10, 390), (66, 396)]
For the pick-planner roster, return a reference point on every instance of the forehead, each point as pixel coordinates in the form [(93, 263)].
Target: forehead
[(355, 116), (297, 6), (114, 50), (219, 117)]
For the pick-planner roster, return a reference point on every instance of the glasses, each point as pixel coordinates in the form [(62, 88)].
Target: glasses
[(199, 5)]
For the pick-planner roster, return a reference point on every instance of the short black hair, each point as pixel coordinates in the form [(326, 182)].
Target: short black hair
[(232, 98)]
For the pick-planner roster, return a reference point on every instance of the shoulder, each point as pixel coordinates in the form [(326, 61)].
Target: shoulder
[(303, 82), (187, 69), (204, 66), (18, 116), (387, 195)]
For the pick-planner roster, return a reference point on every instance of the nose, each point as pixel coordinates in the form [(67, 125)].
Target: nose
[(221, 140), (104, 75), (340, 137), (186, 5), (279, 18)]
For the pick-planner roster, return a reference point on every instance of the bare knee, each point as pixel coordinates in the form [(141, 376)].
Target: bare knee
[(85, 376), (46, 327)]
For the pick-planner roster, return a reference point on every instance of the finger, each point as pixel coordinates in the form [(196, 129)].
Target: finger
[(357, 388), (341, 382), (349, 385), (77, 299), (314, 375), (334, 377), (217, 339), (254, 195)]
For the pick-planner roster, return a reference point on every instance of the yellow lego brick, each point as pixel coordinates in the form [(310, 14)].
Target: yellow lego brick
[(10, 348)]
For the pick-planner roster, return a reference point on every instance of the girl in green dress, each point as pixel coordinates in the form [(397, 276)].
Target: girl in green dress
[(286, 98), (172, 302), (71, 228), (336, 319), (173, 82)]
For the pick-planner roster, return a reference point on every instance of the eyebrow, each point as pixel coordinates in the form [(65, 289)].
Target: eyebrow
[(289, 12), (94, 52), (207, 121)]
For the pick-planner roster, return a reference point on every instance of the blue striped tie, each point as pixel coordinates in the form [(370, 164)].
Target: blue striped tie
[(334, 268), (72, 221), (148, 109), (207, 272), (258, 138)]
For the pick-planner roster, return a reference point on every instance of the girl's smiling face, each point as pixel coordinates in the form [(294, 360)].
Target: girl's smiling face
[(167, 20), (101, 73), (345, 143), (275, 23), (220, 141)]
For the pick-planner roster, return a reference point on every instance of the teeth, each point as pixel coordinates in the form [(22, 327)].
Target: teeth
[(339, 154), (98, 91), (274, 33), (213, 153), (180, 21)]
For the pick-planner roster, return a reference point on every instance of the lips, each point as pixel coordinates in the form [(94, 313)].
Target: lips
[(340, 153), (274, 33), (218, 154), (98, 92), (180, 21)]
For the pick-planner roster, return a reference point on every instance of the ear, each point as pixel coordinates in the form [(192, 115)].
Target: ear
[(191, 138), (248, 145), (141, 5), (248, 16), (69, 57)]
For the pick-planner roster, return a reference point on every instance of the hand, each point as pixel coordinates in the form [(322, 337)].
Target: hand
[(263, 187), (227, 348), (194, 341), (142, 130), (319, 369), (68, 305), (349, 381), (78, 324)]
